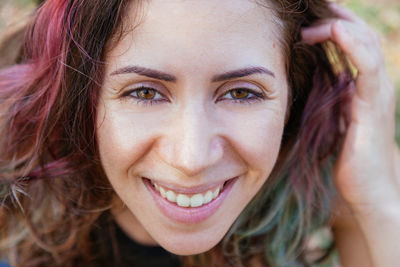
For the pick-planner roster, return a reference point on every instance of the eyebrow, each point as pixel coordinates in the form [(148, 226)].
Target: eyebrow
[(151, 73), (241, 73), (159, 75)]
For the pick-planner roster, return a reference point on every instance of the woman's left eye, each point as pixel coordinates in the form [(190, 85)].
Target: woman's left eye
[(242, 95), (144, 95)]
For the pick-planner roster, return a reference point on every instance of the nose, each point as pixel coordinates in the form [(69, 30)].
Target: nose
[(192, 143)]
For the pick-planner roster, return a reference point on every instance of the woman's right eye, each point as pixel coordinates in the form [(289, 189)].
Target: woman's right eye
[(145, 95)]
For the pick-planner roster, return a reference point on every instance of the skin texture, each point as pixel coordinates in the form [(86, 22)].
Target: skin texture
[(195, 132), (367, 172)]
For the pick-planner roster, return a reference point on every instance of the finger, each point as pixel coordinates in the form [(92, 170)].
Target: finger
[(375, 93), (321, 30), (317, 33), (360, 44)]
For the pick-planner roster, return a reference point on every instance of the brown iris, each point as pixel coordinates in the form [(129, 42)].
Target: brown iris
[(146, 93), (239, 93)]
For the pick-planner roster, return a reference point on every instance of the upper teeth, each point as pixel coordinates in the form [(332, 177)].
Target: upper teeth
[(184, 200)]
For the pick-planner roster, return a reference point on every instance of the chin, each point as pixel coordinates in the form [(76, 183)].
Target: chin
[(192, 241), (185, 248)]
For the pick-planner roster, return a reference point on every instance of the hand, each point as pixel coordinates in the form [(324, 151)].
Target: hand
[(365, 173)]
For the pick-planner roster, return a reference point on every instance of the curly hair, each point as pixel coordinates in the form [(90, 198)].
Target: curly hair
[(54, 194)]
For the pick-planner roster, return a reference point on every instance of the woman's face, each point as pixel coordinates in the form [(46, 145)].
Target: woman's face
[(190, 119)]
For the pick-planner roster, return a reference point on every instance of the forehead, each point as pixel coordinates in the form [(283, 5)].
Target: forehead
[(200, 32), (223, 16)]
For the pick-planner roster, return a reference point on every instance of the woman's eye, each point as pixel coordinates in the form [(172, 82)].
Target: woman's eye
[(239, 93), (242, 95), (144, 95)]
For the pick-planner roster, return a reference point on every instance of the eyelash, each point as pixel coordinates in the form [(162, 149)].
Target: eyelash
[(142, 101), (253, 96)]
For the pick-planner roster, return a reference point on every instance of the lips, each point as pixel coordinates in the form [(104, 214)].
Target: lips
[(188, 200), (189, 206)]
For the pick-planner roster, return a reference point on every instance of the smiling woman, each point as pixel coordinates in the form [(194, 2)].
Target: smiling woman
[(191, 120), (207, 128)]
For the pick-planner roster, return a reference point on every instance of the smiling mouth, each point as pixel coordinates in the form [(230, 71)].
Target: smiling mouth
[(189, 205), (188, 200)]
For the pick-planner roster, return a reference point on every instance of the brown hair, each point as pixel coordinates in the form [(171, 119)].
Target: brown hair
[(54, 194)]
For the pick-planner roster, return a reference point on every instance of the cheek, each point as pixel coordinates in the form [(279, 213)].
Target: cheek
[(254, 136), (257, 141), (122, 141), (257, 138)]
